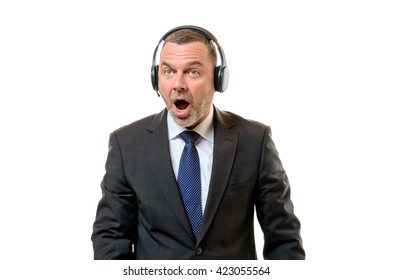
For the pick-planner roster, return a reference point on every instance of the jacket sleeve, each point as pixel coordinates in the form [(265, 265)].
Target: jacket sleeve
[(114, 230), (274, 208)]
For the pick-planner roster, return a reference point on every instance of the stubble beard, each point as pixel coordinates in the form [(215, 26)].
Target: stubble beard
[(195, 117), (189, 122)]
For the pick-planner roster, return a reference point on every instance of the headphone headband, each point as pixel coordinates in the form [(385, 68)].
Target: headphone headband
[(221, 73), (205, 33)]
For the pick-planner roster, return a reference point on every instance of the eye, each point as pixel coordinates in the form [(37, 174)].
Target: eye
[(193, 72), (168, 71)]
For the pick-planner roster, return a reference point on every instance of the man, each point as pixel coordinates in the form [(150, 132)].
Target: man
[(154, 207)]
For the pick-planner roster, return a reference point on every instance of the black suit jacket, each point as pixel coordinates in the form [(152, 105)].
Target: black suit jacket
[(141, 209)]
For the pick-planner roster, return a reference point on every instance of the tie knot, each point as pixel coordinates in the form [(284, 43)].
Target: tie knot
[(189, 136)]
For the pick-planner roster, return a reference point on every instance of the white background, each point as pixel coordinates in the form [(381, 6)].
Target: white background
[(318, 72)]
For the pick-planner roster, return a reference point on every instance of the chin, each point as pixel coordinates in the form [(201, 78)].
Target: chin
[(190, 120), (185, 122)]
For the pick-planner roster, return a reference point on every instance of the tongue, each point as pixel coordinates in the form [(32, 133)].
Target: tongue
[(181, 104)]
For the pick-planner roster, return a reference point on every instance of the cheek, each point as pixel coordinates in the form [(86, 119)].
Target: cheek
[(203, 88), (166, 98), (162, 87), (203, 100), (164, 83)]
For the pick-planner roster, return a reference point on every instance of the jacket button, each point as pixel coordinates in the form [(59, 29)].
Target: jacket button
[(199, 251)]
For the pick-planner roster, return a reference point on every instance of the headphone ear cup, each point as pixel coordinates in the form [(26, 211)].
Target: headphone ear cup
[(221, 78), (154, 77), (217, 78)]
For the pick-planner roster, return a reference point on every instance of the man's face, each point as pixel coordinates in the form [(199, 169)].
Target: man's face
[(186, 82)]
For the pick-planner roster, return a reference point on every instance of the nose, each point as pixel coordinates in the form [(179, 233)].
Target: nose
[(179, 83)]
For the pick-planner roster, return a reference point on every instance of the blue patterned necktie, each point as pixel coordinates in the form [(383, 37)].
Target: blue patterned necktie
[(189, 180)]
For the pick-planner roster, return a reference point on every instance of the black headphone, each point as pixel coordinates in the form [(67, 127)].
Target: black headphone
[(221, 73)]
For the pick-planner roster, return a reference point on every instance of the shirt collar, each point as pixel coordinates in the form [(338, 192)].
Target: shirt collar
[(205, 128)]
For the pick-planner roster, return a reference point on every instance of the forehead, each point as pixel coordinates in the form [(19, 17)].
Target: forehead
[(185, 52)]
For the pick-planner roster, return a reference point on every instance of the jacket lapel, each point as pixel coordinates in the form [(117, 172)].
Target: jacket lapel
[(225, 144), (158, 156)]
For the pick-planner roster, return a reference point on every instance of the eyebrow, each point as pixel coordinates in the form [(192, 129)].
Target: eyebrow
[(192, 63)]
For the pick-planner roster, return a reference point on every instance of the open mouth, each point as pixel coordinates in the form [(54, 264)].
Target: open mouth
[(181, 104)]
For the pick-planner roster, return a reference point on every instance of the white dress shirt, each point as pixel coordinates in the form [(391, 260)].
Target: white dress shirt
[(204, 146)]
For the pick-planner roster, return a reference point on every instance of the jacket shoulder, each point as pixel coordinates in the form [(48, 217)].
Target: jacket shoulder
[(240, 123), (140, 126)]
